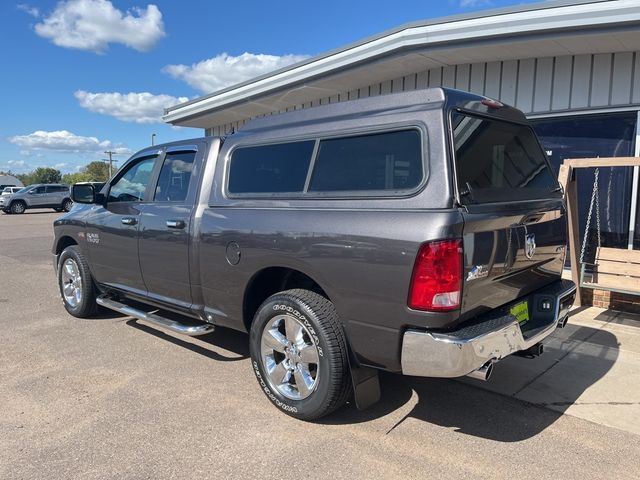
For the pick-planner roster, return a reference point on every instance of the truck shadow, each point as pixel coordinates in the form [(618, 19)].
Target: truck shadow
[(514, 410), (508, 408), (222, 338)]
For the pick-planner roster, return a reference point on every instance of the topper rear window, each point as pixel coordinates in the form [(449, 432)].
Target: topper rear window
[(498, 161)]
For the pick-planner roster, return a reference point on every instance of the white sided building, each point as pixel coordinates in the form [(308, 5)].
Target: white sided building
[(573, 67)]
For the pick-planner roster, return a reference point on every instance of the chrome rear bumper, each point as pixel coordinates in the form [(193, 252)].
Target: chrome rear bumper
[(460, 352)]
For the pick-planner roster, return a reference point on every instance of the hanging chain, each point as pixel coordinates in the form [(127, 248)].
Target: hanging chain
[(594, 200), (598, 207)]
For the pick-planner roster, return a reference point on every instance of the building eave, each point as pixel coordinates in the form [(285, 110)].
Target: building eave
[(552, 27)]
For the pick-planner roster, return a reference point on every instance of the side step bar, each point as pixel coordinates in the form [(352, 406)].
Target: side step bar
[(191, 330)]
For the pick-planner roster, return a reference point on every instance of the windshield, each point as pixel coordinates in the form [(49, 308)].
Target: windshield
[(498, 161)]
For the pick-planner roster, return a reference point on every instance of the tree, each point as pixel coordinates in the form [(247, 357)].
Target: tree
[(71, 178), (25, 178), (94, 172), (45, 175), (97, 171)]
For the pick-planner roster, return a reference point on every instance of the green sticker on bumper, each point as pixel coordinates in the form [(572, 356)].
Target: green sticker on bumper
[(520, 311)]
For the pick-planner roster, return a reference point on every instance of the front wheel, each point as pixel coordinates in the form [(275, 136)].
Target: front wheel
[(18, 207), (75, 283), (299, 354)]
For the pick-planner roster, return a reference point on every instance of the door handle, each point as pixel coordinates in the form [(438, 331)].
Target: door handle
[(128, 221), (179, 224)]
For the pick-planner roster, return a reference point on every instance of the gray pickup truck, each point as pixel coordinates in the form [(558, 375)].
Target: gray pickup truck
[(421, 233)]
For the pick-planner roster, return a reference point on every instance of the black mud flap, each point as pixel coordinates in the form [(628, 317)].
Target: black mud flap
[(366, 385)]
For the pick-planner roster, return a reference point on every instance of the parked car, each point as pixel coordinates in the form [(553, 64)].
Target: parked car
[(10, 190), (54, 196), (420, 233)]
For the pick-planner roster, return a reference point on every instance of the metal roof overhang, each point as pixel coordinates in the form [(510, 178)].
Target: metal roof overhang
[(542, 30)]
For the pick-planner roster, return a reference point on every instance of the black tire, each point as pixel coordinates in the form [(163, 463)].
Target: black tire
[(67, 204), (86, 305), (18, 207), (318, 316), (57, 209)]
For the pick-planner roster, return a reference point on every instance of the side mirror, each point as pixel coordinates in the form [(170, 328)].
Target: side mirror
[(83, 194)]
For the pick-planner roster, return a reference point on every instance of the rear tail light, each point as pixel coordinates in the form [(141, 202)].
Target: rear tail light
[(436, 283)]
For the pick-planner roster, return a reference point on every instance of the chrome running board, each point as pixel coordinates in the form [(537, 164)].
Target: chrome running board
[(190, 330)]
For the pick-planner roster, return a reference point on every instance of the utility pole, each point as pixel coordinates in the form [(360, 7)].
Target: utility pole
[(111, 160)]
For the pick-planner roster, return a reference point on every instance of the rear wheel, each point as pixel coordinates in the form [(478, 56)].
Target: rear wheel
[(299, 354), (67, 204), (18, 207), (76, 284)]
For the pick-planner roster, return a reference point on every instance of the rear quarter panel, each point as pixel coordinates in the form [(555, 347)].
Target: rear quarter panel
[(360, 251), (363, 260)]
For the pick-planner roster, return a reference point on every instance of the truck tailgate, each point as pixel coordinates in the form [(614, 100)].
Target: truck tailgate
[(507, 257), (515, 231)]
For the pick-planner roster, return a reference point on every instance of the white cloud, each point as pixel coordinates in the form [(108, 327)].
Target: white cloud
[(224, 70), (17, 163), (474, 3), (94, 24), (15, 166), (33, 11), (141, 107), (65, 141)]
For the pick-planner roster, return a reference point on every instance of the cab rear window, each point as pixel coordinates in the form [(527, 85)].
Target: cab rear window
[(498, 161)]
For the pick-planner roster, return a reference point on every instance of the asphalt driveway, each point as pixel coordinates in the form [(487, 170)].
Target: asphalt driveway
[(114, 398)]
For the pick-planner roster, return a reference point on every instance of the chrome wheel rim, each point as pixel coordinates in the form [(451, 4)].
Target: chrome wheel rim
[(290, 357), (71, 282), (18, 208)]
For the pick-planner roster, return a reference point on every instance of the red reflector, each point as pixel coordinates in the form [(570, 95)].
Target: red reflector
[(491, 103), (436, 283)]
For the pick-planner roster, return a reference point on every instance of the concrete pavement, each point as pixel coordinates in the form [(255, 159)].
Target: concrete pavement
[(110, 397), (590, 369)]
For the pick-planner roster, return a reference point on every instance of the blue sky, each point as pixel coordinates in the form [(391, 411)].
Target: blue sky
[(83, 76)]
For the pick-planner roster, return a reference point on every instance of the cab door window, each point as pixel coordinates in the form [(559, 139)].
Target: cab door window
[(38, 190), (175, 176), (132, 185)]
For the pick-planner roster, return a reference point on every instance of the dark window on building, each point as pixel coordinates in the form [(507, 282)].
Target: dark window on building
[(280, 168), (589, 136), (175, 175), (376, 162), (498, 161)]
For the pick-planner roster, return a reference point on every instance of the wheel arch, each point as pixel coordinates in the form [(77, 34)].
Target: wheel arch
[(270, 280), (64, 242)]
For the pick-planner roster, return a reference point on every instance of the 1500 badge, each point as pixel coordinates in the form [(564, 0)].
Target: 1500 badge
[(93, 238)]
